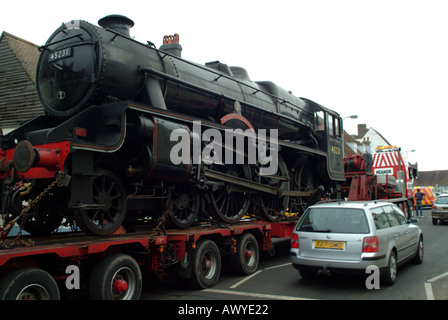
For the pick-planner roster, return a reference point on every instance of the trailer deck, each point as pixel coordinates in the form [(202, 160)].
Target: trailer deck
[(194, 252)]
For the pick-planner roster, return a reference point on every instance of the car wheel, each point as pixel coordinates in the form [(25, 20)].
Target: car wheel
[(418, 259), (390, 274), (435, 221)]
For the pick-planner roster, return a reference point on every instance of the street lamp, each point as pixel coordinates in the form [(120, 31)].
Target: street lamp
[(353, 116)]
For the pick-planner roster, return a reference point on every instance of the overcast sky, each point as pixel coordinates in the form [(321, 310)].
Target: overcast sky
[(384, 60)]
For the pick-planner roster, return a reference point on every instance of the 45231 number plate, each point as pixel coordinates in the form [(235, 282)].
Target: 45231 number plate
[(60, 54)]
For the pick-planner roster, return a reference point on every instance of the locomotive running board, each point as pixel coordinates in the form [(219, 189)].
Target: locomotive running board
[(249, 186)]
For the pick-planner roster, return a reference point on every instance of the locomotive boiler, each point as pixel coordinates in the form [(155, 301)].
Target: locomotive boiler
[(112, 105)]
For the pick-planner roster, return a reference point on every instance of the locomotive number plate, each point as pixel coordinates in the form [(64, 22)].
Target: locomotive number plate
[(60, 54)]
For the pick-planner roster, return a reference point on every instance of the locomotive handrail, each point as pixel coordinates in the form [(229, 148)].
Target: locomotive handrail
[(78, 35), (256, 90), (218, 94), (222, 75)]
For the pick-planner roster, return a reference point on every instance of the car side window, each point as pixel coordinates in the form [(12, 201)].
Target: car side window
[(392, 216), (381, 221), (400, 215)]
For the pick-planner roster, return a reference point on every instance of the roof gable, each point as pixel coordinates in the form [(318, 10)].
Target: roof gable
[(27, 53), (428, 178), (19, 100)]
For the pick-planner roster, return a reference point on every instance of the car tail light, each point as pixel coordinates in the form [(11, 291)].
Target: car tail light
[(370, 244), (434, 207), (295, 241)]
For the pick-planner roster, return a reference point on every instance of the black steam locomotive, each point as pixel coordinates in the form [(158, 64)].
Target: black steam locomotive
[(118, 112)]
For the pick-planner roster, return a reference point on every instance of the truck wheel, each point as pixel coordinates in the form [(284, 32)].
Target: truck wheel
[(206, 265), (245, 260), (116, 277), (28, 284)]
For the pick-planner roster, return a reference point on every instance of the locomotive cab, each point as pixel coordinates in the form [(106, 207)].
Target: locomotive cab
[(329, 135)]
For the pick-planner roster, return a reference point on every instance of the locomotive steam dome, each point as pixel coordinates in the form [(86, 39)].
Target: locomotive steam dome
[(118, 23)]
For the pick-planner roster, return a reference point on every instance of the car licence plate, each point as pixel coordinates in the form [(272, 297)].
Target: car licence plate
[(326, 244)]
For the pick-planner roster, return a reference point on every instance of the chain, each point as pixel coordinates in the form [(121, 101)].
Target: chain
[(22, 216), (161, 223)]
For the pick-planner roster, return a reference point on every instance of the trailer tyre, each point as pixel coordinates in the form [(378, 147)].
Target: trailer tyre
[(206, 265), (245, 260), (116, 277), (28, 284)]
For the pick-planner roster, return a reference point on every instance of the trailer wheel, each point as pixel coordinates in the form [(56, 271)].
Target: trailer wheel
[(116, 277), (245, 260), (206, 265), (28, 284)]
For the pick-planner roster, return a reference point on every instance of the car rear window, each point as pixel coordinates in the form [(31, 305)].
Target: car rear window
[(334, 220), (442, 200)]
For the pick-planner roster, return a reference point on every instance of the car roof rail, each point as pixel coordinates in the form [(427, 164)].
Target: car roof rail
[(376, 201), (330, 201)]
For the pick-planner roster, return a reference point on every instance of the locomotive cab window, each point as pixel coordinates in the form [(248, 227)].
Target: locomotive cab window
[(319, 121), (330, 121), (337, 127), (334, 126)]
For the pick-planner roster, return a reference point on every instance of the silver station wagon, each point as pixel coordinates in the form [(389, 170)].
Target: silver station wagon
[(439, 210), (350, 236)]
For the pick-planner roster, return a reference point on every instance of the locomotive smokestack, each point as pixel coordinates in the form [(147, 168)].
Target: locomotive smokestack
[(117, 23)]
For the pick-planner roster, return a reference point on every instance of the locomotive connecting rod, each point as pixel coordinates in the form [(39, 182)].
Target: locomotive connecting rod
[(250, 186)]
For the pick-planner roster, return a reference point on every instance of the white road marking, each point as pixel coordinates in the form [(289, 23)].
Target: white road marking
[(255, 295), (428, 285), (236, 285), (279, 266), (428, 290), (438, 277), (245, 279), (252, 294)]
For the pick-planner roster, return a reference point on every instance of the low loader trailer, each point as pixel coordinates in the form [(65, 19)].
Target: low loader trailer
[(65, 265)]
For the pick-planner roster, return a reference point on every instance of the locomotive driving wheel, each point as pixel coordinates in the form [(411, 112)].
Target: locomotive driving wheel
[(185, 200), (272, 206), (108, 211), (228, 203), (304, 183)]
